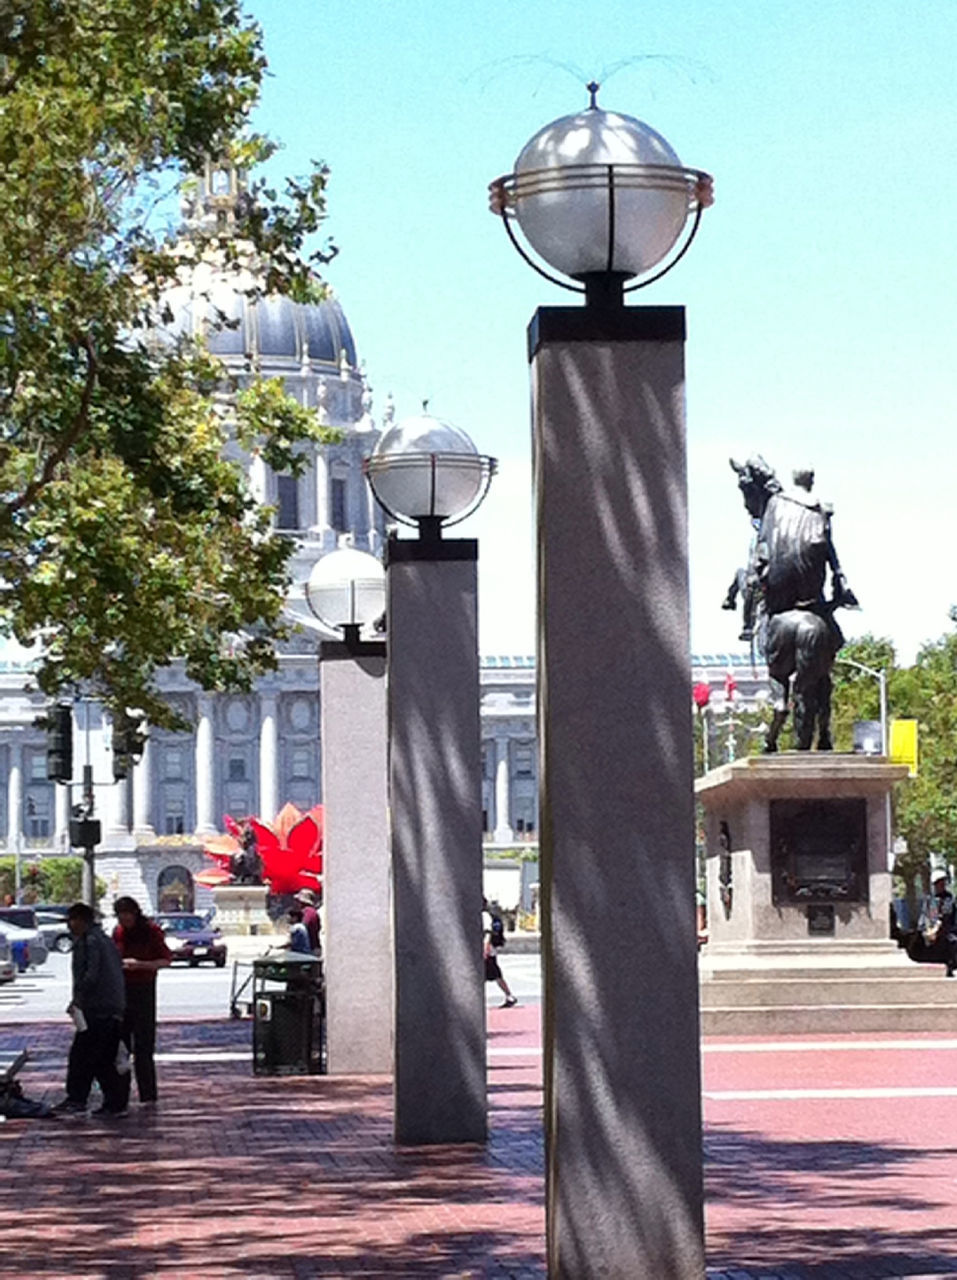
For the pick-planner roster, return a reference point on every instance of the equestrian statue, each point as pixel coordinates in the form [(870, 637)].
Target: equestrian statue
[(785, 611)]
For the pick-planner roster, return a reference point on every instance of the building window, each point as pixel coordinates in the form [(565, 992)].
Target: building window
[(524, 762), (174, 813), (37, 766), (337, 504), (287, 502), (36, 814), (301, 762), (237, 769)]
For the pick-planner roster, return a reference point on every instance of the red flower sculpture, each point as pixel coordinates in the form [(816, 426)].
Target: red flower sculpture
[(290, 850)]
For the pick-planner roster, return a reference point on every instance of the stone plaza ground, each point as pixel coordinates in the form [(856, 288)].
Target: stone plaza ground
[(833, 1159)]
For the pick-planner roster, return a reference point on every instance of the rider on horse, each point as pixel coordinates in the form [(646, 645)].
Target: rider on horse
[(791, 554)]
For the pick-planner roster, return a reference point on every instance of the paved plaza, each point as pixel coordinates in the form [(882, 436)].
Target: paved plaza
[(831, 1160)]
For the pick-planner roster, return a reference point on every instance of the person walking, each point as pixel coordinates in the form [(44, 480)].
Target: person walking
[(144, 952), (96, 1007), (493, 936)]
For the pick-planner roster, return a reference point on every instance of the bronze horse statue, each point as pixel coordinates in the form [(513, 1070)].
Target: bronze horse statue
[(785, 608)]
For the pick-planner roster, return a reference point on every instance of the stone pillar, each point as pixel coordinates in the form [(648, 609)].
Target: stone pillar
[(61, 809), (15, 799), (621, 1058), (436, 804), (357, 894), (143, 795), (268, 757), (205, 767), (322, 493), (503, 828)]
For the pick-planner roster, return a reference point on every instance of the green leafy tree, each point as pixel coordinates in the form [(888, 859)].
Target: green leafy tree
[(925, 806), (56, 880), (127, 538)]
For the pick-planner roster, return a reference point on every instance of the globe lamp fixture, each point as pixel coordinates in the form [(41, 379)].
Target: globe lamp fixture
[(426, 472), (346, 591), (603, 199)]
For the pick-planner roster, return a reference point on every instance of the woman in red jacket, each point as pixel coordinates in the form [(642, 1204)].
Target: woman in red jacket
[(144, 951)]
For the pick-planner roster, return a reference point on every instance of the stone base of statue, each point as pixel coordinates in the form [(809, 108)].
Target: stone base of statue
[(241, 909), (797, 852), (799, 901)]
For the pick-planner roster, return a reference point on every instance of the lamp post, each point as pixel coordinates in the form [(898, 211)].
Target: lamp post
[(605, 201), (881, 677), (427, 473), (346, 592)]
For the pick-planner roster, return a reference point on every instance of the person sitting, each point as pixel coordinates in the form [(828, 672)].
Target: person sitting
[(298, 933)]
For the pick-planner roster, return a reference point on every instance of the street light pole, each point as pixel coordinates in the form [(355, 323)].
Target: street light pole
[(427, 473), (604, 199), (881, 677)]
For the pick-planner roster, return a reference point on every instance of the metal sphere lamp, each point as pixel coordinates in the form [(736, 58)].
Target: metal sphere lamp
[(346, 591), (427, 473), (603, 199)]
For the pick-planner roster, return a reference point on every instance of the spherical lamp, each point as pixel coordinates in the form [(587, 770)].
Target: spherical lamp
[(426, 472), (603, 199), (346, 591)]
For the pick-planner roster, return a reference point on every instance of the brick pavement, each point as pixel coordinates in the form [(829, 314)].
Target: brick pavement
[(239, 1176)]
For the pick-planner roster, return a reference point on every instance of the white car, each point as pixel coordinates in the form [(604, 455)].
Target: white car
[(8, 970)]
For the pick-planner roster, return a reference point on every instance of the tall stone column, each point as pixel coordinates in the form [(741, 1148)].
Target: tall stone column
[(15, 798), (621, 1057), (503, 828), (205, 767), (357, 891), (268, 757), (322, 493), (61, 809), (143, 795), (436, 801)]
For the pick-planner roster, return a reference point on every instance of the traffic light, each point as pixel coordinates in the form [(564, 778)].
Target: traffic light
[(128, 742), (60, 743)]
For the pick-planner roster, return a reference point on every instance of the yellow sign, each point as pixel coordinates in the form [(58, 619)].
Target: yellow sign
[(903, 744)]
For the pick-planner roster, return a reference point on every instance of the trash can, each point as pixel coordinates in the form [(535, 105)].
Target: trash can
[(289, 1025)]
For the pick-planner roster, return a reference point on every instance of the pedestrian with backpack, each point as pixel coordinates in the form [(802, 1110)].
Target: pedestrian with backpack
[(493, 937)]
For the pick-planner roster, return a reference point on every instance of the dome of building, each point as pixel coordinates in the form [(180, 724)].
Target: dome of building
[(270, 328)]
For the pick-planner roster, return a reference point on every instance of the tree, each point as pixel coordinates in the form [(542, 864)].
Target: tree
[(925, 806), (127, 539)]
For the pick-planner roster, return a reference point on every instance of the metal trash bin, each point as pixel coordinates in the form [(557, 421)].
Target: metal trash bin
[(289, 1023)]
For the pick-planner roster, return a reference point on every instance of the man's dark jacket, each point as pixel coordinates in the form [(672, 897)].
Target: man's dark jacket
[(98, 986)]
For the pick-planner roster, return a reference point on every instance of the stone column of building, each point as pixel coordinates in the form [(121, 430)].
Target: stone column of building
[(357, 890), (503, 828), (322, 493), (143, 795), (205, 767), (624, 1194), (15, 798), (269, 801), (61, 810)]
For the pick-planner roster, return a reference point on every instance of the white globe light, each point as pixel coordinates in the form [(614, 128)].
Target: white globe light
[(425, 467), (564, 191), (346, 588)]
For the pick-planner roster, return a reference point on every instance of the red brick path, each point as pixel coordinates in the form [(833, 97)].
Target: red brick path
[(267, 1179)]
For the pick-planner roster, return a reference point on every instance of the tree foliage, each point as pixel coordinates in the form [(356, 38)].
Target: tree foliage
[(127, 539), (925, 806)]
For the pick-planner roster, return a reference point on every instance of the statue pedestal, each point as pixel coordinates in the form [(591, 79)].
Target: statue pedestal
[(241, 909), (797, 854)]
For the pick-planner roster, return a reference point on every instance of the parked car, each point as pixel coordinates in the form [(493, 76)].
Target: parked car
[(8, 970), (55, 930), (27, 946), (191, 939)]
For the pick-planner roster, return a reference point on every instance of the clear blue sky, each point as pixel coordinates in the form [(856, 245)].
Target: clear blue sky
[(819, 291)]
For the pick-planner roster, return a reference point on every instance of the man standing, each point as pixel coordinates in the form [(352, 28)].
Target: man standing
[(97, 1008)]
